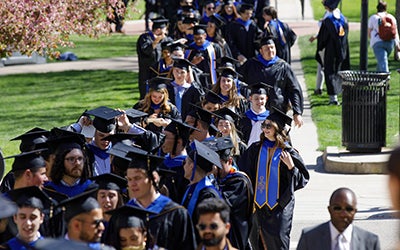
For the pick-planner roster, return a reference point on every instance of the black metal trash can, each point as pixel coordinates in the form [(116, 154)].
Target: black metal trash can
[(364, 110)]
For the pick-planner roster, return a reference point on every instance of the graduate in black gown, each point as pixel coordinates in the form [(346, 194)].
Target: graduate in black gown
[(32, 204), (270, 69), (203, 53), (156, 103), (164, 66), (276, 171), (242, 33), (31, 140), (333, 48), (128, 228), (148, 48), (237, 190), (71, 169), (198, 166), (176, 140), (172, 228)]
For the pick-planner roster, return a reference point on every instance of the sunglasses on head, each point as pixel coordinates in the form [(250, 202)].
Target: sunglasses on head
[(212, 226), (348, 209), (266, 125)]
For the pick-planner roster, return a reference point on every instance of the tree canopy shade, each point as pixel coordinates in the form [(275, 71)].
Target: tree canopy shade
[(44, 25)]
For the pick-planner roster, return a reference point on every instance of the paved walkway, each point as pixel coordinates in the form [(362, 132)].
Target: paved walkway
[(311, 203)]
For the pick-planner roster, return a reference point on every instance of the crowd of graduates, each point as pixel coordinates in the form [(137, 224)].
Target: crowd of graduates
[(206, 126)]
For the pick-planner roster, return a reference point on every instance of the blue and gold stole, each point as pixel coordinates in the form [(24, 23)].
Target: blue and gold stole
[(267, 182)]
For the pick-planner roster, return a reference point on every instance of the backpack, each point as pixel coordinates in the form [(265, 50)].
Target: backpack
[(387, 29)]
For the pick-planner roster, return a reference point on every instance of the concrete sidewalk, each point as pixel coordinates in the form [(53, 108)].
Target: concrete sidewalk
[(374, 212)]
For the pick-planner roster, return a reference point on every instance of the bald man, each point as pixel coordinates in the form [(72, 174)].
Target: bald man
[(339, 233)]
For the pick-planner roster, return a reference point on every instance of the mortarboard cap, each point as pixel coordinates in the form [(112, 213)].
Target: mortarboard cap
[(120, 161), (188, 9), (143, 160), (129, 216), (134, 113), (177, 45), (222, 145), (166, 45), (7, 207), (217, 19), (109, 181), (260, 88), (227, 62), (33, 139), (31, 196), (204, 156), (61, 140), (267, 40), (227, 114), (182, 63), (158, 83), (213, 97), (180, 129), (199, 29), (81, 203), (245, 6), (60, 244), (28, 160), (190, 20), (159, 22), (331, 4), (104, 120), (279, 117), (228, 72), (202, 114), (125, 138)]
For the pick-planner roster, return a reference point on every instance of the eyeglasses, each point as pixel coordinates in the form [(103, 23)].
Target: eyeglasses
[(96, 223), (338, 209), (212, 227), (210, 8), (266, 125), (73, 159)]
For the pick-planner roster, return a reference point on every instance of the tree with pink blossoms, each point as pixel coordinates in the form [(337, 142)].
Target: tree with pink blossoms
[(44, 25)]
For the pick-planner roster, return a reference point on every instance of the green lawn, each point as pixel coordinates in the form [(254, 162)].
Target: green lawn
[(57, 99), (351, 9), (328, 118), (112, 45)]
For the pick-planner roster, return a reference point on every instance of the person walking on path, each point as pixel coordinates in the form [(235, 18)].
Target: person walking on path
[(381, 44), (332, 49)]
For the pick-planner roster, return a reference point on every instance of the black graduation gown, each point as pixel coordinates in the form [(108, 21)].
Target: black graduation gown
[(7, 183), (147, 56), (282, 49), (272, 227), (204, 65), (242, 42), (192, 95), (279, 75), (174, 182), (336, 56), (159, 69), (173, 228), (245, 127), (205, 192), (174, 113), (237, 191)]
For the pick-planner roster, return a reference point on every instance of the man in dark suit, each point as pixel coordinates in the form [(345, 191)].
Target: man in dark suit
[(339, 233)]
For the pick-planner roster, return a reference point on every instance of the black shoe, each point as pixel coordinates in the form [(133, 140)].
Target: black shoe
[(317, 91), (335, 103)]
